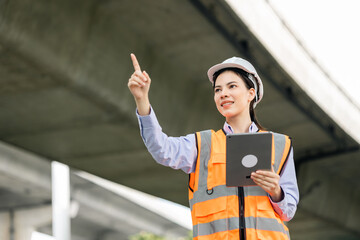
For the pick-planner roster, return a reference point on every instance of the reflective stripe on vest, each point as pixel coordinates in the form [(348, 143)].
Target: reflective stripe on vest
[(228, 224), (210, 209)]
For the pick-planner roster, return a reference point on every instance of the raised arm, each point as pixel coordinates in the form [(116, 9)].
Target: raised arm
[(174, 152), (139, 85)]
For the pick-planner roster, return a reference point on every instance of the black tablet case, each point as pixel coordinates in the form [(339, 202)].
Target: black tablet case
[(240, 145)]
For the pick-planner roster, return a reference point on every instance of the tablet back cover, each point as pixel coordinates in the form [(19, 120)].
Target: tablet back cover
[(246, 153)]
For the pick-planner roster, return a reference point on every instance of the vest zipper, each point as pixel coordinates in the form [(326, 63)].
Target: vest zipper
[(242, 226)]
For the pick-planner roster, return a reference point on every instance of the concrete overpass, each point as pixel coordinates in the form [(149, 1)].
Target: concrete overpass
[(64, 67)]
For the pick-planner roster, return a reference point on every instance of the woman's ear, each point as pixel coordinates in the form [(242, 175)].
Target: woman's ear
[(252, 94)]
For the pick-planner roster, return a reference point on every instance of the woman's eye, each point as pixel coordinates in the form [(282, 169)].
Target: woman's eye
[(217, 90), (232, 86)]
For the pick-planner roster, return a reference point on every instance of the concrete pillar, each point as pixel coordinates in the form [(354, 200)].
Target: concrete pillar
[(27, 220), (60, 177), (5, 226)]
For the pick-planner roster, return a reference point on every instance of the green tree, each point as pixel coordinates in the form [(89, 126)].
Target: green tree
[(151, 236), (146, 236)]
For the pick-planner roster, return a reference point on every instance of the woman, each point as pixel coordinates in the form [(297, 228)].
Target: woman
[(220, 212)]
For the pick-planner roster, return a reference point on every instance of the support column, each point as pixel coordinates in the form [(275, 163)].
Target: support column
[(60, 176), (5, 226), (27, 220)]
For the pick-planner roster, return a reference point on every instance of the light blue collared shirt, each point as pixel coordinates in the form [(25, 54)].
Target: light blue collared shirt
[(181, 153)]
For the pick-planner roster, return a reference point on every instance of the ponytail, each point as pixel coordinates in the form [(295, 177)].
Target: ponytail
[(253, 116)]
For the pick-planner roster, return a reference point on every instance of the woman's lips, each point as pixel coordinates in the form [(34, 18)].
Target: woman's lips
[(226, 103)]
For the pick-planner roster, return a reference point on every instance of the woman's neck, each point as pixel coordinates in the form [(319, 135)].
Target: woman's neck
[(240, 124)]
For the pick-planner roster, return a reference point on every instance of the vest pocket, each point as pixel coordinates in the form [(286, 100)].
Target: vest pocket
[(216, 170), (264, 208), (210, 207), (211, 219), (219, 158), (267, 223)]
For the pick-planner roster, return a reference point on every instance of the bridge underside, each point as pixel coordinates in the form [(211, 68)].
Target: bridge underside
[(64, 69)]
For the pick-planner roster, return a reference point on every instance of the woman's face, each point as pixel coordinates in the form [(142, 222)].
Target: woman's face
[(232, 98)]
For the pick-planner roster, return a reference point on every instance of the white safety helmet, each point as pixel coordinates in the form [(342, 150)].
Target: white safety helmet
[(236, 62)]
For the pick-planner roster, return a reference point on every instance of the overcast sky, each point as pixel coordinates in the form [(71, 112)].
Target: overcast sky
[(330, 30)]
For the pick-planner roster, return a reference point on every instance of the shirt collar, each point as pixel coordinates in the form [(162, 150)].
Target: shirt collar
[(228, 129)]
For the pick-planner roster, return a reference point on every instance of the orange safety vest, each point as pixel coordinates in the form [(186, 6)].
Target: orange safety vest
[(221, 212)]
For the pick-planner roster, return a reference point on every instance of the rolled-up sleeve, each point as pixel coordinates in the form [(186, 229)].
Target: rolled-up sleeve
[(174, 152), (286, 208)]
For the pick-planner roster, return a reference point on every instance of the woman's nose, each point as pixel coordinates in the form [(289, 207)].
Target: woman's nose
[(224, 93)]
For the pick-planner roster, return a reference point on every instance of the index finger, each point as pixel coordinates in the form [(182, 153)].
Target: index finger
[(135, 62)]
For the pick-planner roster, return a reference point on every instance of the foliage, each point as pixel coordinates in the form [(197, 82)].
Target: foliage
[(146, 236), (151, 236)]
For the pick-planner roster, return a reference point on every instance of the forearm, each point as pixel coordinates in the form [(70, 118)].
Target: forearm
[(174, 152), (287, 206), (143, 105)]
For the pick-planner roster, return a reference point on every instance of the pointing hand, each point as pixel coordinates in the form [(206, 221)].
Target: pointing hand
[(139, 82)]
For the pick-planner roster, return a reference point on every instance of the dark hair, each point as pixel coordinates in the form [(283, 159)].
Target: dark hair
[(249, 84)]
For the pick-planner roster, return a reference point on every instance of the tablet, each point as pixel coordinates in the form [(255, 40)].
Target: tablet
[(246, 153)]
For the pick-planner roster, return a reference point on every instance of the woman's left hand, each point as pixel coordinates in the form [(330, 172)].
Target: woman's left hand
[(269, 181)]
